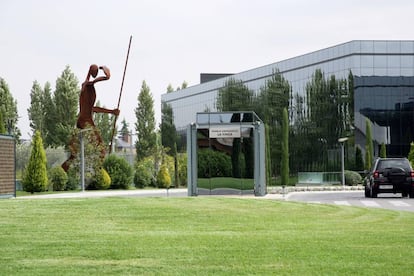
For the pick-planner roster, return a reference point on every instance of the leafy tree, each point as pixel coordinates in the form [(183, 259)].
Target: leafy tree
[(2, 124), (411, 154), (184, 85), (145, 173), (35, 177), (163, 177), (36, 111), (8, 108), (145, 124), (124, 131), (119, 170), (285, 149), (320, 117), (234, 96), (359, 161), (383, 151), (169, 135), (50, 117), (182, 169), (170, 88), (369, 146), (167, 128), (273, 98), (65, 101), (103, 123)]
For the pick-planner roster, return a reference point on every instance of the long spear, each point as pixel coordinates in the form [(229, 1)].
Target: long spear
[(120, 94)]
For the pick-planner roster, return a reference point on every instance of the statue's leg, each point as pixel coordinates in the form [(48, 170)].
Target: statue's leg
[(73, 153)]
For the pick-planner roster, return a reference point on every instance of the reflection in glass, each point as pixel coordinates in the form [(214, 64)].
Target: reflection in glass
[(388, 102), (225, 164)]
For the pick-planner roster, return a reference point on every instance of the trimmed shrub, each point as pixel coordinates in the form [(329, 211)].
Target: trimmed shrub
[(213, 163), (119, 170), (143, 176), (163, 177), (73, 179), (58, 179), (101, 181), (35, 175), (352, 178)]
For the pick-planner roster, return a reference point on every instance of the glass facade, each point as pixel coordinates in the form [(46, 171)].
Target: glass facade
[(388, 103), (383, 72)]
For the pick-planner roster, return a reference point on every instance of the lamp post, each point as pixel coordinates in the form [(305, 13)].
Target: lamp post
[(342, 142)]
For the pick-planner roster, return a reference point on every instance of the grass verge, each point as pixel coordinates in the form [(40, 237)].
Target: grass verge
[(202, 236)]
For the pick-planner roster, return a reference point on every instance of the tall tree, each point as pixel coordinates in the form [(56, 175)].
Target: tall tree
[(65, 100), (8, 107), (103, 123), (35, 176), (167, 128), (170, 88), (2, 124), (234, 96), (285, 149), (50, 115), (124, 131), (169, 135), (369, 146), (145, 124), (37, 111), (184, 85), (383, 152), (272, 100)]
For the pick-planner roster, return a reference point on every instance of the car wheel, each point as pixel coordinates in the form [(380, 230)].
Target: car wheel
[(374, 194), (367, 192), (404, 194)]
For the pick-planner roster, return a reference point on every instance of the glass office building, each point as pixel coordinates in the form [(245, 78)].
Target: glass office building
[(383, 88)]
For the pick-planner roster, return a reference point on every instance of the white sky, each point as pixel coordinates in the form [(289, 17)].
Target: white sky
[(175, 40)]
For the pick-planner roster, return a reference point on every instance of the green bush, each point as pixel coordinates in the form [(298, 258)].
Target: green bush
[(58, 179), (213, 163), (73, 179), (35, 175), (119, 170), (100, 181), (163, 177), (143, 176), (352, 178), (182, 169)]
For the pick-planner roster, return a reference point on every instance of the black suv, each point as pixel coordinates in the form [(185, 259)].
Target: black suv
[(390, 175)]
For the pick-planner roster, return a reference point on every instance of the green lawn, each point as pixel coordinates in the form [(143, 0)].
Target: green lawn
[(201, 236), (226, 182)]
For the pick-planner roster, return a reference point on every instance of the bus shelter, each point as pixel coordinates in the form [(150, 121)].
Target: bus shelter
[(226, 154)]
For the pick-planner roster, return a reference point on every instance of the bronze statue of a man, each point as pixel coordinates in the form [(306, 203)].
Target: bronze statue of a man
[(86, 109)]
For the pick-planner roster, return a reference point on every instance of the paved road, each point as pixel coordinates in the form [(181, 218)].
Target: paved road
[(354, 198)]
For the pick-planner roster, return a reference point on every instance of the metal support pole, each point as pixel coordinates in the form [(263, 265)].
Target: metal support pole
[(82, 161), (343, 165), (342, 142)]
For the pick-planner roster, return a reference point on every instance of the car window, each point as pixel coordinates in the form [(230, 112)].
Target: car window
[(392, 163)]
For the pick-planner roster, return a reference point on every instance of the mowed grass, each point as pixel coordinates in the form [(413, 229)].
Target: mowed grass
[(225, 182), (201, 236)]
